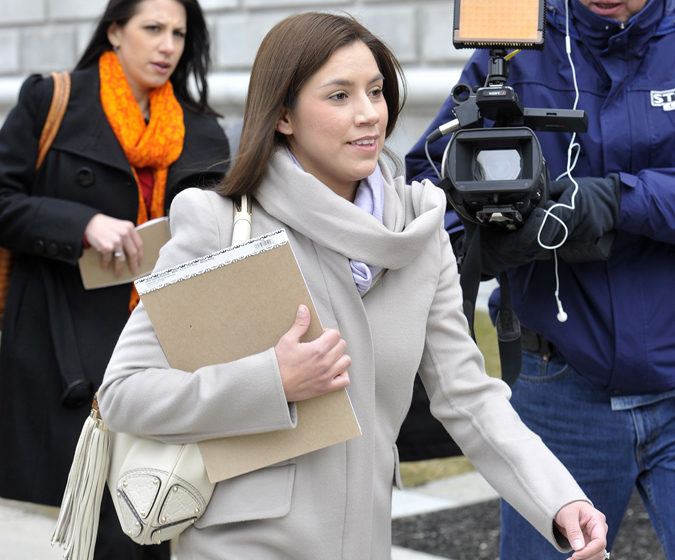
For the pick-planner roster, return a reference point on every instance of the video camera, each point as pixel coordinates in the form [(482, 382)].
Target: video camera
[(497, 176)]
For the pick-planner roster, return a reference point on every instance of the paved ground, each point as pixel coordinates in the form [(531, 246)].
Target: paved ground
[(455, 518), (26, 529)]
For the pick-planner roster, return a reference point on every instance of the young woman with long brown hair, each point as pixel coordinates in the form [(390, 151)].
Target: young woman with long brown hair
[(324, 95)]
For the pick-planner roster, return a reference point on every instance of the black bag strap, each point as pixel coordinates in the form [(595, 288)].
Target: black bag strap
[(508, 334), (78, 389), (469, 279), (508, 326)]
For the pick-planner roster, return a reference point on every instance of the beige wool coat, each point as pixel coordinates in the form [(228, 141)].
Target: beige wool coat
[(335, 503)]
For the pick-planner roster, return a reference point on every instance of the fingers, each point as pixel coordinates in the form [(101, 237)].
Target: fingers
[(132, 252), (557, 188), (335, 354), (590, 553), (299, 328), (575, 536), (531, 227), (106, 258), (593, 539), (585, 528), (119, 258), (117, 241), (321, 368), (553, 221), (312, 368), (339, 382)]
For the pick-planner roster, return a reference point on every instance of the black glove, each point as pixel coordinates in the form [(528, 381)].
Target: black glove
[(503, 249), (596, 208), (596, 211)]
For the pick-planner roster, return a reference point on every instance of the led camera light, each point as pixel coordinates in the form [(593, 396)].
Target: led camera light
[(517, 24)]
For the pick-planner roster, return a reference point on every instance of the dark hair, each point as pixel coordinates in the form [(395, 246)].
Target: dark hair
[(195, 60), (290, 54)]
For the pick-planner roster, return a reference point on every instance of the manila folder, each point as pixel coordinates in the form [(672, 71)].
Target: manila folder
[(235, 303)]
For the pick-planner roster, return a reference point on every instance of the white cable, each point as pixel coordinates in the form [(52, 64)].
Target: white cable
[(571, 164), (562, 316), (426, 151), (576, 158)]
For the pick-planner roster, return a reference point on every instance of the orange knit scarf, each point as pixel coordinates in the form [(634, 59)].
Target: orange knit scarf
[(157, 144)]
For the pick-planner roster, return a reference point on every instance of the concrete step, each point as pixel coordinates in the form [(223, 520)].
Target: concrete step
[(456, 491), (398, 553)]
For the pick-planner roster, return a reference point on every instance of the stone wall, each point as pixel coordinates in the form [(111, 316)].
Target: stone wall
[(46, 35)]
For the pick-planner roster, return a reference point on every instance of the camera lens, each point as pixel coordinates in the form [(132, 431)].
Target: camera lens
[(498, 165)]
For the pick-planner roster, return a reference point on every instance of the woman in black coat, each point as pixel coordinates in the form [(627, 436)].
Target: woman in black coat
[(57, 337)]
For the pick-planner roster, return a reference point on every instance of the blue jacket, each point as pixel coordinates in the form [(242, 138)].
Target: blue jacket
[(621, 328)]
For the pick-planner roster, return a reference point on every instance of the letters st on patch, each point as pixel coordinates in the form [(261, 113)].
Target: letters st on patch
[(665, 99)]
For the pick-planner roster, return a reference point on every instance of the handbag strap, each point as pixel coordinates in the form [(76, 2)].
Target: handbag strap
[(56, 111), (241, 228)]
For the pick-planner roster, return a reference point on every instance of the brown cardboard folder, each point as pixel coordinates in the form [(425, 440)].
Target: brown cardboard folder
[(232, 304), (154, 233)]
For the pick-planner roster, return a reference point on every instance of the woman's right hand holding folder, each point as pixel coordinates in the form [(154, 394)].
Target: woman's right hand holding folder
[(310, 369)]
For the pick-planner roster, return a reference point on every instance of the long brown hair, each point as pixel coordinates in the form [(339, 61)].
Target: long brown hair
[(290, 54)]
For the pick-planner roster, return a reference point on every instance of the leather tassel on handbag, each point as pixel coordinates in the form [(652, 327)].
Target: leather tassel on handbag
[(158, 489), (77, 525)]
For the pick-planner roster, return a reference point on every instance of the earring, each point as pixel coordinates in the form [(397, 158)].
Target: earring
[(115, 48)]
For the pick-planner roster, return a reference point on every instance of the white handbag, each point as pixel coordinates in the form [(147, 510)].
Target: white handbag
[(158, 489)]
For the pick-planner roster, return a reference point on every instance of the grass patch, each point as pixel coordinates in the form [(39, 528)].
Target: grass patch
[(421, 472), (486, 336)]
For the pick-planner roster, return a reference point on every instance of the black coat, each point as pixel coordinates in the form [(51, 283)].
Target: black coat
[(54, 331)]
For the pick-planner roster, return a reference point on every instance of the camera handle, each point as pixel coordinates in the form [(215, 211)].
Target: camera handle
[(467, 113)]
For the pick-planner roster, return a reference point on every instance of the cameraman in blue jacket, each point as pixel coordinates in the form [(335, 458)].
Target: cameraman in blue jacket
[(598, 388)]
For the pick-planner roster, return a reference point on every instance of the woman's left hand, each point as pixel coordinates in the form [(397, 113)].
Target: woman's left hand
[(585, 528)]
